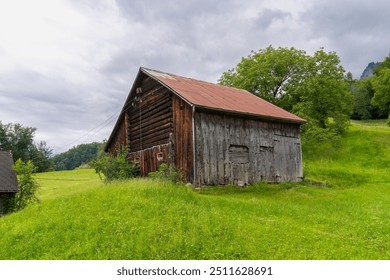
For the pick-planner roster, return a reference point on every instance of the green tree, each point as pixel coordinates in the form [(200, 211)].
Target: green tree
[(381, 85), (385, 64), (41, 156), (313, 87), (27, 185), (362, 93), (323, 96), (20, 141), (269, 73)]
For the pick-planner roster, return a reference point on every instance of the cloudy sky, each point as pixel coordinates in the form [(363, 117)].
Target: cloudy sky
[(66, 67)]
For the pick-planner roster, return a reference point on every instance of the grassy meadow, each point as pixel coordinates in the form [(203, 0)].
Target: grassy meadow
[(340, 211)]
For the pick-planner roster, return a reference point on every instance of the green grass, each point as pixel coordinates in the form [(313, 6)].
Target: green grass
[(342, 211)]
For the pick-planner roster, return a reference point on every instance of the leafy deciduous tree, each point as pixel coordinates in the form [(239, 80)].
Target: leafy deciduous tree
[(269, 73), (363, 92), (20, 141), (381, 85), (313, 87)]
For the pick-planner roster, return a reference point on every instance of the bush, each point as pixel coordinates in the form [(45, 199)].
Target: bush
[(313, 135), (169, 173), (27, 185), (388, 121), (115, 167)]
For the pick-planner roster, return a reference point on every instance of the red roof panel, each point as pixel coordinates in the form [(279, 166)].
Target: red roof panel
[(217, 97)]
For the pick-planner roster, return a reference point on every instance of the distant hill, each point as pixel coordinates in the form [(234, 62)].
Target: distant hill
[(368, 72), (81, 154)]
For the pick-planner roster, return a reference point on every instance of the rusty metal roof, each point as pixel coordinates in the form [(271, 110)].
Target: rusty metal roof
[(221, 98), (8, 181)]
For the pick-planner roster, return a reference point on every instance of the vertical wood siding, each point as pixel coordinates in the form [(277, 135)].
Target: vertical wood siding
[(243, 151), (120, 138), (149, 159), (182, 137)]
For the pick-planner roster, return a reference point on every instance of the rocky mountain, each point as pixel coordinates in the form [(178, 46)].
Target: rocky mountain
[(369, 70)]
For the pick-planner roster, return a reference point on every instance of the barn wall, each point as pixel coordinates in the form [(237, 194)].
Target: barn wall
[(150, 126), (120, 139), (243, 151), (4, 202), (183, 148), (150, 116), (151, 158)]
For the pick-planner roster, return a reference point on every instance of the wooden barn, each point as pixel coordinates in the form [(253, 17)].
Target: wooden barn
[(8, 182), (215, 134)]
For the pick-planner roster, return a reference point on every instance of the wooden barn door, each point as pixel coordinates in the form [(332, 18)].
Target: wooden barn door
[(288, 159), (267, 164), (239, 161)]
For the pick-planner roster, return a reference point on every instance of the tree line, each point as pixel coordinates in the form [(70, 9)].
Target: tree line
[(372, 94), (19, 140), (77, 156)]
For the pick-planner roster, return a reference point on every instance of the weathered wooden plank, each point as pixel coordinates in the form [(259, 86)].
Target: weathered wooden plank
[(148, 137), (148, 84), (148, 132), (151, 126), (212, 144), (120, 139), (148, 158), (144, 122), (219, 134), (199, 149), (183, 136), (271, 157), (161, 139), (206, 151), (147, 110)]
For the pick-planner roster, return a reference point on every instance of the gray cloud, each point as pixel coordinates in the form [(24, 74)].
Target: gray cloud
[(69, 78), (267, 17), (356, 30)]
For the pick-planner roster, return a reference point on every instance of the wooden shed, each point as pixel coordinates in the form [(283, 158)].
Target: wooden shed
[(215, 134), (8, 182)]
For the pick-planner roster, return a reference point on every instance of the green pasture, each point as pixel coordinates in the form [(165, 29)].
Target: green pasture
[(340, 211)]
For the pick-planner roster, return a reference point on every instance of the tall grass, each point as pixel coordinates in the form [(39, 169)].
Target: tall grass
[(345, 215)]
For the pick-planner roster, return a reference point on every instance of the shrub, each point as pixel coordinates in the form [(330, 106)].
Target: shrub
[(27, 185), (388, 121), (169, 173), (115, 167), (313, 135)]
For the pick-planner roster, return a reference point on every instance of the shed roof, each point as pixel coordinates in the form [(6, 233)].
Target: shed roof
[(8, 181), (221, 98)]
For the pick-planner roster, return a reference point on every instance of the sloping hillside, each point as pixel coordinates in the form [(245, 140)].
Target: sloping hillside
[(341, 212)]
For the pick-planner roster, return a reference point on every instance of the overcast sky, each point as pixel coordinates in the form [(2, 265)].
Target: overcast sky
[(66, 67)]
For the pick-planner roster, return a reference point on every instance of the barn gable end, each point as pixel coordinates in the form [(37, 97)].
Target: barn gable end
[(215, 134)]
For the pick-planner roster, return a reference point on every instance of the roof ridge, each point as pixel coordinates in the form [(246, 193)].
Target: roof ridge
[(188, 78)]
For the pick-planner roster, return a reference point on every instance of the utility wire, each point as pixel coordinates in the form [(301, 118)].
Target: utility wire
[(98, 128)]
